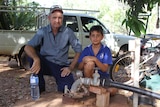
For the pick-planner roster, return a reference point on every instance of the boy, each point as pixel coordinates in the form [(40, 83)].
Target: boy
[(96, 55)]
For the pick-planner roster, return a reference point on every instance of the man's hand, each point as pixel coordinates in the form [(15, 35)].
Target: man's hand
[(36, 66), (65, 71)]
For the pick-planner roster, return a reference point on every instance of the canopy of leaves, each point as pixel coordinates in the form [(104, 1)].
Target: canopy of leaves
[(138, 7), (13, 17)]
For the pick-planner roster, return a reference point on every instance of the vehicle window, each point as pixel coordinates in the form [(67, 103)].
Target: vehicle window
[(71, 22), (42, 20), (87, 23)]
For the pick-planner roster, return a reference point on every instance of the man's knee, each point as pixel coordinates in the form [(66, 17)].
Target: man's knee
[(65, 81)]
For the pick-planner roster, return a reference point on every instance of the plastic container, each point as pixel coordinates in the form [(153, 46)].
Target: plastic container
[(34, 83)]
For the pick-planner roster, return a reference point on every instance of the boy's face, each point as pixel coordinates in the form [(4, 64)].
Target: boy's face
[(96, 37)]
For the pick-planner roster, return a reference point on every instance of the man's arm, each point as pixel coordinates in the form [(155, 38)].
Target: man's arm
[(81, 65), (31, 52), (74, 62), (67, 70)]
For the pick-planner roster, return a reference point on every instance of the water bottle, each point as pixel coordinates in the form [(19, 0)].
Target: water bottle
[(34, 82)]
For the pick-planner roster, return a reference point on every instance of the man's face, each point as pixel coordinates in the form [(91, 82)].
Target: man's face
[(56, 19)]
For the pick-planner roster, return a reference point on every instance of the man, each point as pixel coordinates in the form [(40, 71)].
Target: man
[(54, 41)]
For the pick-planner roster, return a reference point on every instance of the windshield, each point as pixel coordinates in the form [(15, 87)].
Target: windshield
[(87, 23)]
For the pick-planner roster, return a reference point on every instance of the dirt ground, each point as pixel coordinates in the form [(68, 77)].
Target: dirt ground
[(15, 91), (14, 84)]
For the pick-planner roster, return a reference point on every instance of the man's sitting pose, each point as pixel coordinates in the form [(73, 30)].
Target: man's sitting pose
[(54, 41)]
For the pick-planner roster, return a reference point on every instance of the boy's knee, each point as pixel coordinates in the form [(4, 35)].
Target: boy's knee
[(88, 69), (89, 65)]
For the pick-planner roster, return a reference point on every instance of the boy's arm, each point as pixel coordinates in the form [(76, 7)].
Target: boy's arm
[(102, 66)]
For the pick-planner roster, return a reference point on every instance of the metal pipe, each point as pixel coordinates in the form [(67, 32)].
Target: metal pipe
[(86, 81), (108, 83), (75, 85), (7, 8), (78, 82)]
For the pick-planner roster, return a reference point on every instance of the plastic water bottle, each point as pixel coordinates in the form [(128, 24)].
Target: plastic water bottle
[(34, 82)]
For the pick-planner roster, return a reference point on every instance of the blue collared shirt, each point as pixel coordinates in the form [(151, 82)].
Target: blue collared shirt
[(104, 55), (55, 47)]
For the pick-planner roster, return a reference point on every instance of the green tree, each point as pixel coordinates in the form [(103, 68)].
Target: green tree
[(135, 18), (4, 20), (111, 12), (16, 17)]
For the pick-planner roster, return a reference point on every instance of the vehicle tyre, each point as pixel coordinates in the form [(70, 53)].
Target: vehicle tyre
[(120, 71), (123, 50), (23, 60)]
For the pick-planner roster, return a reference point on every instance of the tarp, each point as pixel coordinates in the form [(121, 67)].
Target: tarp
[(152, 82)]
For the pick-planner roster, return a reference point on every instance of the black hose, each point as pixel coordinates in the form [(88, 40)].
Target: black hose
[(109, 83)]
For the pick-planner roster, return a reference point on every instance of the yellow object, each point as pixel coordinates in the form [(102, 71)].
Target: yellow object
[(117, 68)]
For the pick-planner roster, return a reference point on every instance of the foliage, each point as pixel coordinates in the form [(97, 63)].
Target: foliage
[(112, 16), (137, 8), (17, 18), (111, 12)]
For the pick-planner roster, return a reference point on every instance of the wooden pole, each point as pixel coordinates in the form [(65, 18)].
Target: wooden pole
[(134, 47), (136, 69)]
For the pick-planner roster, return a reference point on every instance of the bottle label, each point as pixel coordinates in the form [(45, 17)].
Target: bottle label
[(34, 80)]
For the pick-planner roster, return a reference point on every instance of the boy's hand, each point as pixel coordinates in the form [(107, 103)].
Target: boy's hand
[(89, 58)]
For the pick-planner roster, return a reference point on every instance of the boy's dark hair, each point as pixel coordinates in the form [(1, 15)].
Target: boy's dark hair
[(97, 28)]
